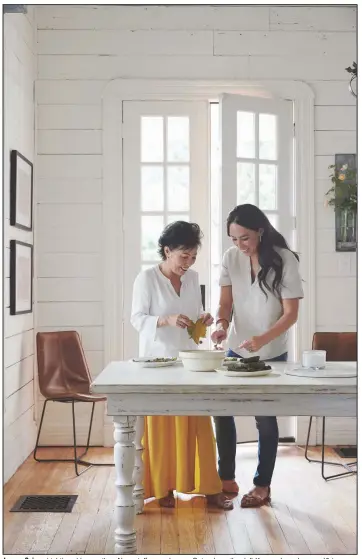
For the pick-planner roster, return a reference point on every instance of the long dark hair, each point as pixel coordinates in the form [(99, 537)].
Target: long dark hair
[(251, 217)]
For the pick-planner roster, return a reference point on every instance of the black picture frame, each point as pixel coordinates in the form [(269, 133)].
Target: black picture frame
[(21, 191), (21, 277)]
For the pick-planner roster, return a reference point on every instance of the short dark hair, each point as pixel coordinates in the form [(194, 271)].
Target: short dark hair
[(180, 234)]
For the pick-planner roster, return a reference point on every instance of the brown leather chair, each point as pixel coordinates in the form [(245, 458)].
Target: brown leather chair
[(340, 346), (64, 377)]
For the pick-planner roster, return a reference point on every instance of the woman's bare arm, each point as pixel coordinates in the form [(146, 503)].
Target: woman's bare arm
[(225, 306)]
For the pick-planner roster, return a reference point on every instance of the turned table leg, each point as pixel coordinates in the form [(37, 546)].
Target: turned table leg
[(138, 492), (124, 460)]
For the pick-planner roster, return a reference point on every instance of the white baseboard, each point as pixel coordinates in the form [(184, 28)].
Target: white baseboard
[(108, 435), (339, 431)]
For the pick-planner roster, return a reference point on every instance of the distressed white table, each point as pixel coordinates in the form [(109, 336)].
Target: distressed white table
[(133, 392)]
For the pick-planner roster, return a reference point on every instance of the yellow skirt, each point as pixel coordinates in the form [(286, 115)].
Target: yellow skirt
[(180, 454)]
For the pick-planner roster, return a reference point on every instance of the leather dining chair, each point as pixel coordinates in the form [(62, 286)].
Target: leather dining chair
[(64, 377), (339, 346)]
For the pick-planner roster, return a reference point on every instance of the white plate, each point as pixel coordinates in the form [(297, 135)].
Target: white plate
[(227, 373), (146, 363), (320, 373)]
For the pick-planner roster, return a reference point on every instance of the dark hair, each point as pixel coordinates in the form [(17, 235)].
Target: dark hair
[(180, 234), (251, 217)]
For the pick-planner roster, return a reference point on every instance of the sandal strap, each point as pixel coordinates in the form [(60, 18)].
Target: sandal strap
[(255, 499)]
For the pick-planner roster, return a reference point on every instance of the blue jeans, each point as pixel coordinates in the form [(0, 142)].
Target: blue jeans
[(267, 444)]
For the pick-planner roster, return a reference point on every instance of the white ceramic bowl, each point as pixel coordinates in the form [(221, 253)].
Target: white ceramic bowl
[(202, 359)]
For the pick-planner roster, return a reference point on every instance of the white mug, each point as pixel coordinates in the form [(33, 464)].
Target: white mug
[(314, 359)]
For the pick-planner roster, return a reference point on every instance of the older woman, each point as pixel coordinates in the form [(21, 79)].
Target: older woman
[(261, 286), (180, 452)]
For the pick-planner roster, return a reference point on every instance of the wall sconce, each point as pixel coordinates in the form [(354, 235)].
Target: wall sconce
[(353, 80)]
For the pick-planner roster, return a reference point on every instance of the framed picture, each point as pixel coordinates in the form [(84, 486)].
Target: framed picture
[(21, 191), (21, 278), (346, 219)]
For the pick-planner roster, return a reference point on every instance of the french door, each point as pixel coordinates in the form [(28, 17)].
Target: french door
[(257, 168), (196, 160), (166, 178)]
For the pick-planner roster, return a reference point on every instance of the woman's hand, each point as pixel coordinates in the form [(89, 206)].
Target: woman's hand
[(178, 321), (253, 344), (286, 321), (207, 319), (219, 335)]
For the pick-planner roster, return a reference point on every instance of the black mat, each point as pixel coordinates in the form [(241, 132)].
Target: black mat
[(346, 452), (44, 503)]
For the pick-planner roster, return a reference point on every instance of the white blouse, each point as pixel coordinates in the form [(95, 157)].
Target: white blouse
[(253, 312), (154, 296)]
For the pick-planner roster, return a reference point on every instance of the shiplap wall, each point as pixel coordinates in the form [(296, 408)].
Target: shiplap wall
[(82, 48), (19, 77)]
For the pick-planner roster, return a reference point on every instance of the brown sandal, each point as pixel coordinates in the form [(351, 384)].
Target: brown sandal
[(250, 500), (220, 501), (168, 502)]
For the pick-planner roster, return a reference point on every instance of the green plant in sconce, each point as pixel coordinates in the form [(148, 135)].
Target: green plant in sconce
[(343, 194)]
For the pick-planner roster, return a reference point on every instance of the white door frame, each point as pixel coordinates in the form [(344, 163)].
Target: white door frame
[(120, 90)]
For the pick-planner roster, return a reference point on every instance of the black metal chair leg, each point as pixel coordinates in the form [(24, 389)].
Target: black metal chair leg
[(86, 462), (90, 426), (77, 459), (308, 437), (323, 462), (307, 445), (39, 430), (37, 445), (346, 466)]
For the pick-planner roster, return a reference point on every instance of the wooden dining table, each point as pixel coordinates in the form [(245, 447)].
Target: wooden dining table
[(134, 392)]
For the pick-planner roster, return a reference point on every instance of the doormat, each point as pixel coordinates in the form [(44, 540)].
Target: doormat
[(44, 503), (346, 452)]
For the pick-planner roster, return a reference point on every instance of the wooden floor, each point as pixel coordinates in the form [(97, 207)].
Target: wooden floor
[(308, 515)]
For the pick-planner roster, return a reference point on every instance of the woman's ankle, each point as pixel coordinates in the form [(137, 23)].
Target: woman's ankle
[(230, 486)]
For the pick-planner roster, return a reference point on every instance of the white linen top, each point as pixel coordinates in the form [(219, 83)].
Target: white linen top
[(253, 313), (154, 296)]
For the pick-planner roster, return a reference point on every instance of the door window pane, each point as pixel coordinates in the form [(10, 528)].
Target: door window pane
[(245, 183), (267, 136), (178, 139), (147, 266), (171, 218), (152, 188), (151, 139), (152, 226), (178, 188), (245, 134), (268, 187), (273, 218)]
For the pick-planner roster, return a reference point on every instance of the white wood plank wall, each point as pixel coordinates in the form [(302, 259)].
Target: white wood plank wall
[(19, 114), (82, 48)]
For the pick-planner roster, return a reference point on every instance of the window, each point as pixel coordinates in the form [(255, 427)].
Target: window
[(165, 178)]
